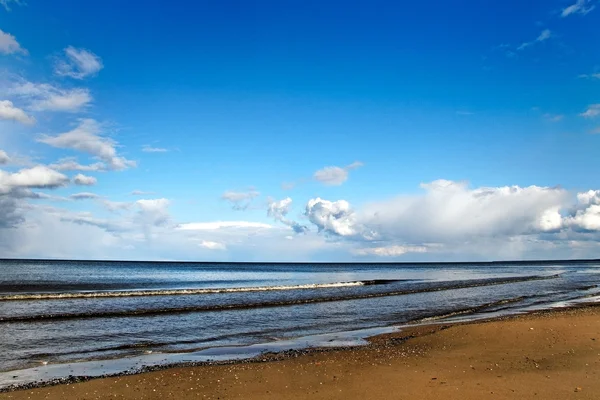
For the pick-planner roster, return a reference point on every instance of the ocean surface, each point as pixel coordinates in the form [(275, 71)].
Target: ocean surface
[(55, 313)]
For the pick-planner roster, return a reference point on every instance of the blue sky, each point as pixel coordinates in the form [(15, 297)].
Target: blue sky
[(299, 130)]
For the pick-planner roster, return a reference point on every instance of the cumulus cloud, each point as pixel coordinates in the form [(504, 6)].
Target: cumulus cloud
[(84, 196), (38, 177), (9, 112), (450, 211), (335, 176), (46, 97), (592, 111), (9, 44), (78, 63), (580, 7), (240, 200), (87, 137), (335, 217), (84, 180), (542, 37), (279, 210), (150, 149)]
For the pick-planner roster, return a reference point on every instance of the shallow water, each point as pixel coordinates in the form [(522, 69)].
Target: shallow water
[(64, 312)]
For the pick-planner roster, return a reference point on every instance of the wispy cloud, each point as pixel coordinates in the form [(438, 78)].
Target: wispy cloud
[(553, 117), (279, 210), (240, 200), (542, 37), (140, 193), (6, 3), (389, 251), (9, 44), (46, 97), (8, 111), (595, 75), (217, 225), (78, 63), (592, 111), (149, 149), (87, 137), (84, 196), (71, 164), (580, 7), (595, 131), (335, 176)]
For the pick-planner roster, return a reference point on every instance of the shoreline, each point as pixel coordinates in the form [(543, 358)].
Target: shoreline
[(376, 343)]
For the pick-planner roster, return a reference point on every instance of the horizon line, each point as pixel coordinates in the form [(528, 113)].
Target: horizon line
[(543, 261)]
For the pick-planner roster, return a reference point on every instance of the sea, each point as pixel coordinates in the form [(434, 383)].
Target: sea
[(71, 318)]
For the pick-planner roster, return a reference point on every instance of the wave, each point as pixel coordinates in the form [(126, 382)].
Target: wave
[(179, 292), (283, 303)]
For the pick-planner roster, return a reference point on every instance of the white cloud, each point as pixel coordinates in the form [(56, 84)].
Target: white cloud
[(542, 37), (46, 97), (213, 245), (9, 44), (84, 180), (217, 225), (154, 211), (117, 206), (592, 111), (447, 221), (335, 176), (87, 138), (38, 177), (9, 112), (84, 196), (279, 210), (240, 200), (335, 217), (149, 149), (580, 7), (78, 63), (4, 158), (389, 251)]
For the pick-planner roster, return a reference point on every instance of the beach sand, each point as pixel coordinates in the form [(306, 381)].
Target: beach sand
[(548, 355)]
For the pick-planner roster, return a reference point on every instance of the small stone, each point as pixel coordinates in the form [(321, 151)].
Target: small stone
[(578, 389)]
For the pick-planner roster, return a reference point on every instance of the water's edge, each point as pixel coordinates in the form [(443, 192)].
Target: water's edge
[(56, 374)]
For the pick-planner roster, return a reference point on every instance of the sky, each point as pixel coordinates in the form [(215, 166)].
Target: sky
[(300, 130)]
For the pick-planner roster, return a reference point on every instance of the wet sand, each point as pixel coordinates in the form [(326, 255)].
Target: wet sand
[(548, 355)]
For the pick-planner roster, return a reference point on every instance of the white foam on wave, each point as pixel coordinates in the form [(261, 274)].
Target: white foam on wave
[(173, 292)]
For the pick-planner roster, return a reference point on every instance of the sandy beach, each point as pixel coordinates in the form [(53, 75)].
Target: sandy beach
[(548, 355)]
